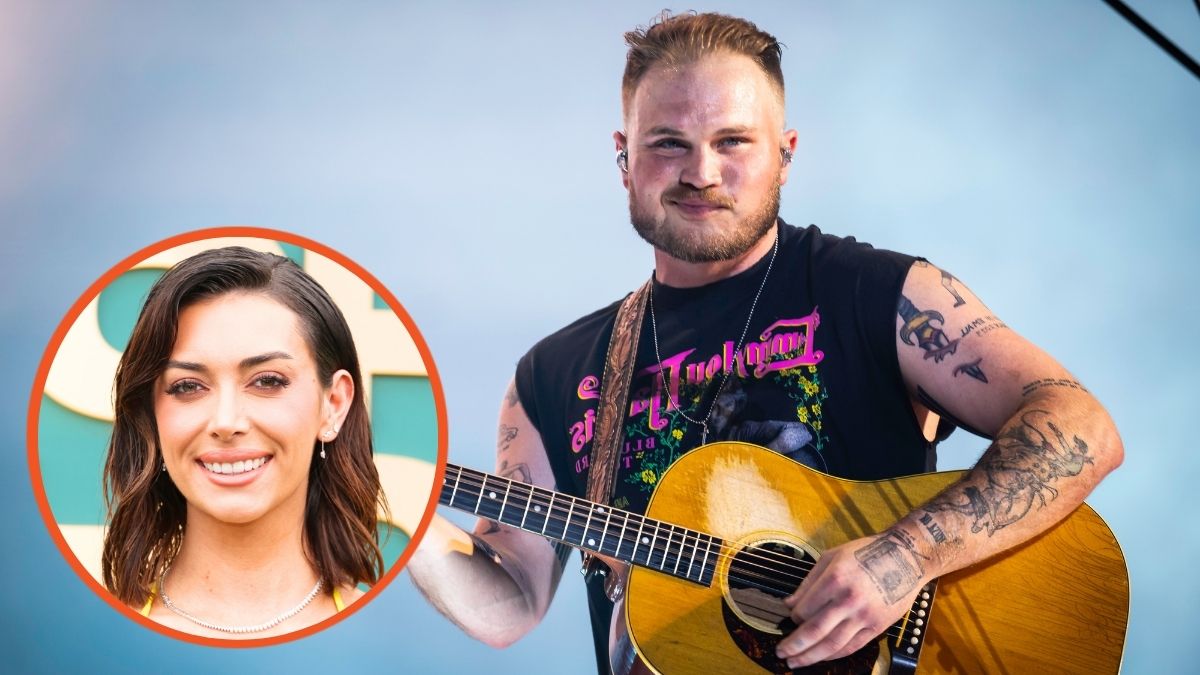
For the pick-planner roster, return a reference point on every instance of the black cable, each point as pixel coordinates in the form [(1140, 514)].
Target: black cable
[(1158, 38)]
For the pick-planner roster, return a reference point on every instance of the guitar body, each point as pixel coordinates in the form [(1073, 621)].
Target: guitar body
[(1056, 604)]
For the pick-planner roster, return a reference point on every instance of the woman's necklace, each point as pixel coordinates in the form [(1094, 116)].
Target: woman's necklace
[(662, 371), (162, 592)]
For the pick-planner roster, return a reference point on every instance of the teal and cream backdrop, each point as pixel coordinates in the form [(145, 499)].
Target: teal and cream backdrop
[(76, 412)]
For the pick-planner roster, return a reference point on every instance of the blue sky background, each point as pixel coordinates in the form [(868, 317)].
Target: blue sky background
[(1046, 153)]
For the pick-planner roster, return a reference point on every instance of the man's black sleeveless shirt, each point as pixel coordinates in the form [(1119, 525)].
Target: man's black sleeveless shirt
[(817, 378)]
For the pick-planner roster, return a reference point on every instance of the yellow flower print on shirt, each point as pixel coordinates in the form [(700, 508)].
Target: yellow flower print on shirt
[(648, 476)]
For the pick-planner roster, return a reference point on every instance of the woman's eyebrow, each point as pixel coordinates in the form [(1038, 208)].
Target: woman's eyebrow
[(248, 362), (251, 361), (187, 365)]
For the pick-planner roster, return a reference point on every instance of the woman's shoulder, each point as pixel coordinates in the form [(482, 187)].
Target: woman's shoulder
[(347, 595)]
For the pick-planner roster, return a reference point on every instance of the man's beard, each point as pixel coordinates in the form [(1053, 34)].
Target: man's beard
[(688, 244)]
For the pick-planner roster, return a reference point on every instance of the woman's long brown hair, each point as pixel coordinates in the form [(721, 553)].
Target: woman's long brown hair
[(147, 514)]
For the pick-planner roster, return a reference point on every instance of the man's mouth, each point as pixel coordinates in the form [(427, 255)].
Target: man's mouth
[(697, 207)]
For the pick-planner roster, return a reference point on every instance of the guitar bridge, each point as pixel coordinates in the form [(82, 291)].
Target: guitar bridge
[(911, 629)]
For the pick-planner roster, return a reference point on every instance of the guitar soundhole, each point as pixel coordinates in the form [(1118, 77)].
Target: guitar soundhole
[(760, 576)]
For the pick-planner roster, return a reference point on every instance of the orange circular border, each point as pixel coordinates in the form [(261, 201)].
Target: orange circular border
[(39, 385)]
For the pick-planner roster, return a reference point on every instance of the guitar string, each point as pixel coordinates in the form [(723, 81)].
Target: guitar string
[(582, 520), (769, 581), (568, 518)]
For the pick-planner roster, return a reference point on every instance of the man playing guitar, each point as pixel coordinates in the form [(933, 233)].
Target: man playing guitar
[(842, 357)]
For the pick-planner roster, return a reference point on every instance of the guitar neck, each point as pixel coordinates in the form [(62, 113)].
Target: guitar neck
[(621, 535)]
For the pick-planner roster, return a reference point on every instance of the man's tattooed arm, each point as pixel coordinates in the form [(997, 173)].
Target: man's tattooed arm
[(520, 472), (1037, 470), (1052, 441), (497, 581), (1018, 474)]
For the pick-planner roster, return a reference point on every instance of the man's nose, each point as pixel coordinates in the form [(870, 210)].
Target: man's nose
[(701, 169)]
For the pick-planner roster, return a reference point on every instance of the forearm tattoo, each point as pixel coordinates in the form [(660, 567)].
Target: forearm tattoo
[(893, 563), (1018, 473), (935, 530)]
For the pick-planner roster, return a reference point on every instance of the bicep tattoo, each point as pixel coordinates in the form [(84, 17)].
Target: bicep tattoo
[(924, 329), (504, 437), (518, 472), (919, 324), (947, 283), (1052, 382)]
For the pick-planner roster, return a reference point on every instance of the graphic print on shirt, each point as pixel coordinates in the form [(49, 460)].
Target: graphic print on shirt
[(780, 362)]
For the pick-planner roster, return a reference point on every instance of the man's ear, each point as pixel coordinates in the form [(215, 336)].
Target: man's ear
[(622, 148), (790, 138)]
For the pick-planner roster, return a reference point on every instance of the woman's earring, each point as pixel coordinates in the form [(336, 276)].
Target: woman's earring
[(327, 437)]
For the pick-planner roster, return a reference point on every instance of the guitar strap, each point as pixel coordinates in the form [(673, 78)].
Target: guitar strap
[(610, 417)]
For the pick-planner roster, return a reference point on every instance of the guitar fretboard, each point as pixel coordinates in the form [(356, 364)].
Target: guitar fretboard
[(623, 535)]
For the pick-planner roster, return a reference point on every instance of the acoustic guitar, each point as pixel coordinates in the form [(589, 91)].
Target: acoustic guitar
[(733, 528)]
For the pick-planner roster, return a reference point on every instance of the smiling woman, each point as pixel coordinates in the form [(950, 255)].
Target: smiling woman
[(240, 483)]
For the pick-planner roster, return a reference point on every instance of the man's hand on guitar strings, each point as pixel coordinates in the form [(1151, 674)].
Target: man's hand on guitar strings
[(851, 596)]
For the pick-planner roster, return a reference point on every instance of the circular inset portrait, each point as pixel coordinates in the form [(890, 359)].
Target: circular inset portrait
[(235, 435)]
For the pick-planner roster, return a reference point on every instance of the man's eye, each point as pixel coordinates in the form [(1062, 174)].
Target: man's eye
[(733, 142), (668, 144)]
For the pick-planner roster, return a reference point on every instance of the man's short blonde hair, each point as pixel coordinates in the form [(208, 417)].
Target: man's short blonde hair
[(686, 38)]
